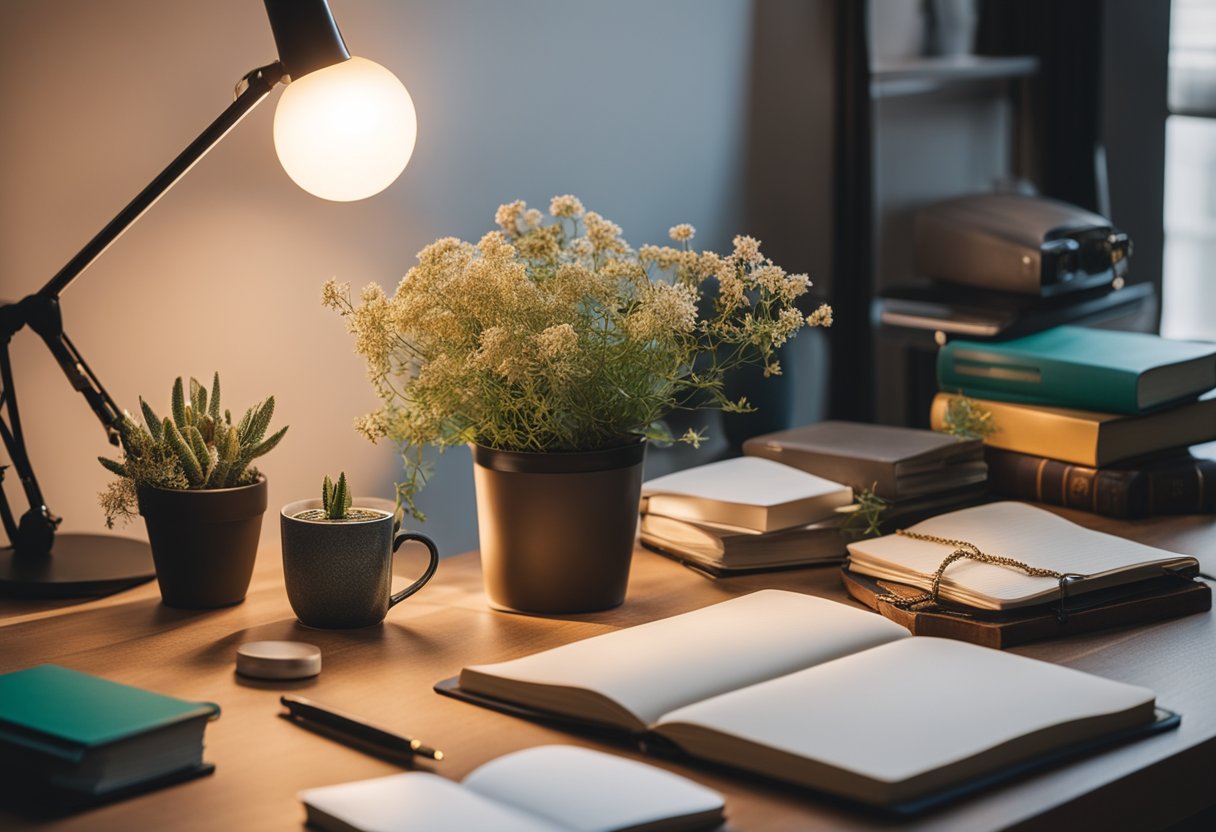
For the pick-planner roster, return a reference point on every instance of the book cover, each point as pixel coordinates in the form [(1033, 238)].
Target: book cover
[(748, 492), (1086, 437), (900, 462), (1090, 369), (68, 730), (1176, 483)]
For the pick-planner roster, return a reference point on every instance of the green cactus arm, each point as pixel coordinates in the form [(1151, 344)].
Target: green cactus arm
[(263, 447), (346, 499), (327, 493), (198, 399), (113, 467), (179, 404), (214, 410), (199, 445), (258, 423), (243, 426), (151, 420), (232, 449), (227, 416), (190, 464), (338, 498)]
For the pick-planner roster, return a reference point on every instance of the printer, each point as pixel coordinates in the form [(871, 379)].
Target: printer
[(1028, 245)]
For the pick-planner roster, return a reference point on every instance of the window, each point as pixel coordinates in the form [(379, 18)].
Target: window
[(1189, 286)]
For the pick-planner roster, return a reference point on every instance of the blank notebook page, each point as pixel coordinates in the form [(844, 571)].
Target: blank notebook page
[(586, 791), (910, 707), (654, 667)]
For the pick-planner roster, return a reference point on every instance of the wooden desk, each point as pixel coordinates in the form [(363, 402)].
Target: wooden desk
[(385, 673)]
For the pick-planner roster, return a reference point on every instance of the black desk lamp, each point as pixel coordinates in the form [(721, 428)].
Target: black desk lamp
[(344, 130)]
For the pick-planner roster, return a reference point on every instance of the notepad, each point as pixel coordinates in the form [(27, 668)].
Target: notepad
[(545, 789), (818, 694), (1025, 533)]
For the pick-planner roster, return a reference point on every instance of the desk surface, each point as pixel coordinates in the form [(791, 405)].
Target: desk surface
[(385, 674)]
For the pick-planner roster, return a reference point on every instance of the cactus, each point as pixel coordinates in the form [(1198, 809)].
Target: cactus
[(335, 499), (193, 449)]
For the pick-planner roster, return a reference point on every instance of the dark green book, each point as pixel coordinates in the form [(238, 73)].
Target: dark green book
[(1088, 369), (71, 731)]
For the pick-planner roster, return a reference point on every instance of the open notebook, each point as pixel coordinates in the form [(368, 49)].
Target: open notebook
[(1015, 530), (550, 788), (818, 694)]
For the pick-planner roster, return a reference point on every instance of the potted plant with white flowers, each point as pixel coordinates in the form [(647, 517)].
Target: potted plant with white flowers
[(555, 350)]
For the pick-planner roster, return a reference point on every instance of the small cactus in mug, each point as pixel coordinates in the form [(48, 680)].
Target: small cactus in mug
[(335, 499)]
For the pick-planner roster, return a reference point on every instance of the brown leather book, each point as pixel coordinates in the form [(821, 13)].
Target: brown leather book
[(901, 462), (1176, 483)]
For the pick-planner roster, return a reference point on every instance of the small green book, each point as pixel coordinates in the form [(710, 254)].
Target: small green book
[(71, 730), (1088, 369)]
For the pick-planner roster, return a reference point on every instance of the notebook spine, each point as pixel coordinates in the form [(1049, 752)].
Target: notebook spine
[(1181, 486)]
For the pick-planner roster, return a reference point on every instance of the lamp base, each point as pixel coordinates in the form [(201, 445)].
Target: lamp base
[(79, 566)]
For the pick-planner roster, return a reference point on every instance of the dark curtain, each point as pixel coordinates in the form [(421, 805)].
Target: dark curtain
[(852, 372)]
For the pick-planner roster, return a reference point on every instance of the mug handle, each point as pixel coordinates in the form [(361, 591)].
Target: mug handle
[(430, 569)]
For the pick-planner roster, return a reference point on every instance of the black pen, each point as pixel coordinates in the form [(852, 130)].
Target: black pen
[(345, 728)]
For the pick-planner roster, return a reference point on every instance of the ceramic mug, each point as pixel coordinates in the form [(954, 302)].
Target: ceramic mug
[(339, 573)]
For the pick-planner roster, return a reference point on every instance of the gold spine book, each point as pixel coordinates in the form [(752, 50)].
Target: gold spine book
[(1085, 437)]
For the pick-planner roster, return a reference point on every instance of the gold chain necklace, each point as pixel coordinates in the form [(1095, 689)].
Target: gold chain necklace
[(965, 550)]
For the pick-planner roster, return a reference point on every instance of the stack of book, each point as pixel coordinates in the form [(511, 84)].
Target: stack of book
[(744, 514), (780, 505), (914, 472), (1091, 419), (85, 740)]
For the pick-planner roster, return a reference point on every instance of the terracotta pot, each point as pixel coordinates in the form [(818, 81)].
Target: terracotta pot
[(204, 543), (557, 529)]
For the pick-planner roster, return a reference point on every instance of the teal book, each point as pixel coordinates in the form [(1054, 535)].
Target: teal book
[(69, 730), (1089, 369)]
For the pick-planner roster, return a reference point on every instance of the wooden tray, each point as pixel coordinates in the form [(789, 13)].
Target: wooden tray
[(1153, 600)]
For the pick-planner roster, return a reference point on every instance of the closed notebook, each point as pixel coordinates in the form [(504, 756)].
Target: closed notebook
[(748, 492), (76, 731), (1031, 535), (1089, 438), (552, 788), (1088, 369), (726, 549), (899, 462)]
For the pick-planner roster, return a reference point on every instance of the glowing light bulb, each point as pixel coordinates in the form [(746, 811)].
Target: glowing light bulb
[(345, 132)]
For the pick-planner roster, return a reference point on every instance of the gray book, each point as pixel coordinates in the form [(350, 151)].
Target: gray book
[(899, 462)]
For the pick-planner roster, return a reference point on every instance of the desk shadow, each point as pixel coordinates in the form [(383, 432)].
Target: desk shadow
[(32, 799)]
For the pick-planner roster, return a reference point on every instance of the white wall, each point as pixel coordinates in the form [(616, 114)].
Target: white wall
[(634, 105)]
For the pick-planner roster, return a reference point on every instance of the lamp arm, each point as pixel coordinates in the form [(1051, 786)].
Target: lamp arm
[(255, 86), (34, 534)]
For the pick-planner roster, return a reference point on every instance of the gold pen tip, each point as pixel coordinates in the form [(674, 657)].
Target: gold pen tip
[(438, 755)]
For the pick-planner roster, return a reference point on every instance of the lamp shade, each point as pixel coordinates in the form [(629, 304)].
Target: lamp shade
[(345, 132)]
